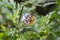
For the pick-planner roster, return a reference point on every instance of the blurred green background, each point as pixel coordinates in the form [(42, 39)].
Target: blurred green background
[(12, 28)]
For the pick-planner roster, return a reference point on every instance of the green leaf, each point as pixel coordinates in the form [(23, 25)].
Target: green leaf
[(44, 20), (58, 1), (57, 33), (1, 35), (3, 27)]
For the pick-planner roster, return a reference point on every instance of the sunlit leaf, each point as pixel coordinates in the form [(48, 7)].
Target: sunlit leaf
[(1, 35), (3, 27)]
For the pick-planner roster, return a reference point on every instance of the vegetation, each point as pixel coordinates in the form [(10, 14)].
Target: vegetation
[(42, 28)]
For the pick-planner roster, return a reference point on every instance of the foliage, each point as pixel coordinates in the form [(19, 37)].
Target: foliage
[(11, 28)]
